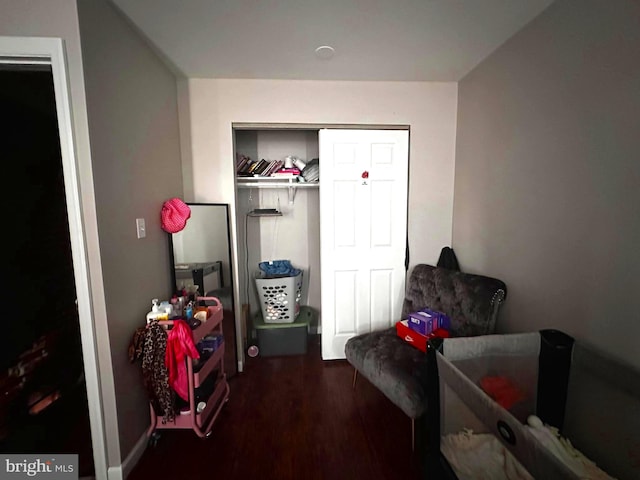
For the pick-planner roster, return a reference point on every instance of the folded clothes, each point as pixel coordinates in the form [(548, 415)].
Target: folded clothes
[(311, 173), (278, 268), (476, 456), (481, 456)]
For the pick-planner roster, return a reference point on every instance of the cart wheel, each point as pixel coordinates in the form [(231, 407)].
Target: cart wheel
[(153, 439)]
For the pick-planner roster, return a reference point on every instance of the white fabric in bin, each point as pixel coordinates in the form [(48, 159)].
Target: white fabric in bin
[(466, 450), (565, 451)]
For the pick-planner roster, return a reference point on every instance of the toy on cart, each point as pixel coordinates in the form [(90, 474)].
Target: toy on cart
[(206, 375)]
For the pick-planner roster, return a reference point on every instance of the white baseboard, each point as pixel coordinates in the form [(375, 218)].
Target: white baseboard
[(132, 459), (115, 473)]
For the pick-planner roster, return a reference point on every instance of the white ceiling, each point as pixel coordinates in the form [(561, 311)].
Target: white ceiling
[(411, 40)]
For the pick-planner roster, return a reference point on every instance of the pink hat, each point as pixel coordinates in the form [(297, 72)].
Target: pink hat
[(175, 214)]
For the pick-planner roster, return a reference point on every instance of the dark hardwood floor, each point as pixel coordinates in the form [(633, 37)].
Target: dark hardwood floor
[(292, 418)]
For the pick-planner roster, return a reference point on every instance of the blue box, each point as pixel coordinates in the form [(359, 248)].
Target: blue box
[(425, 321), (443, 320), (210, 343), (422, 322)]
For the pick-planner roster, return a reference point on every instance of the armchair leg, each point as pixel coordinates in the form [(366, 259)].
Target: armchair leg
[(355, 376)]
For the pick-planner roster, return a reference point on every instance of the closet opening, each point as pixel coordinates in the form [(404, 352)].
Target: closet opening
[(278, 219), (340, 218)]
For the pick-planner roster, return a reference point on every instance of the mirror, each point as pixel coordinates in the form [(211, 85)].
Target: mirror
[(201, 255)]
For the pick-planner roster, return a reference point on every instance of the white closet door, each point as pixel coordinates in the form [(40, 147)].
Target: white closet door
[(363, 231)]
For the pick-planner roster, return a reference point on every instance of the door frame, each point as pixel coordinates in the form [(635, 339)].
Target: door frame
[(50, 51)]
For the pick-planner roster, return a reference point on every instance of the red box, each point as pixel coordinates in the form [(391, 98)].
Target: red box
[(411, 336), (416, 339)]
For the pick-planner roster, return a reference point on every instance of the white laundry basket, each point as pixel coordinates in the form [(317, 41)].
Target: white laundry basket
[(279, 298)]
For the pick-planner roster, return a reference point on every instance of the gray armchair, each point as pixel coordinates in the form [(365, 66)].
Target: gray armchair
[(398, 369)]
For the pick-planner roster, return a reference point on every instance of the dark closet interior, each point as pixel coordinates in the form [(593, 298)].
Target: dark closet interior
[(43, 402)]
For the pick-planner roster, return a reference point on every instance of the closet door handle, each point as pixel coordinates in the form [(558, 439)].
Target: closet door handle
[(406, 256)]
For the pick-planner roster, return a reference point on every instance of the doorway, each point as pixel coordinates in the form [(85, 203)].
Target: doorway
[(290, 233), (24, 51), (44, 395)]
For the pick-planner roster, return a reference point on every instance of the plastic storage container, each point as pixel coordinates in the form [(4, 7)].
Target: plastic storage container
[(279, 298), (275, 339)]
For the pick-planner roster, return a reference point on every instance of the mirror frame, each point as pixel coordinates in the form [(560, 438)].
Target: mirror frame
[(228, 282)]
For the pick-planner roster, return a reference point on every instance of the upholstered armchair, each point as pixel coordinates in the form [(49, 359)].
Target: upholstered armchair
[(397, 368)]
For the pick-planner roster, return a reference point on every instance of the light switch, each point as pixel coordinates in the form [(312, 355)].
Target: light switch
[(140, 228)]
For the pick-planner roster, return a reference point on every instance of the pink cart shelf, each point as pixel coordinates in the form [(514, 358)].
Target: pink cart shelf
[(201, 423)]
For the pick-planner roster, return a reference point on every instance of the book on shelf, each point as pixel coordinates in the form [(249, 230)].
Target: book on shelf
[(241, 162), (287, 172), (261, 167), (265, 168), (256, 166), (245, 166), (251, 167), (273, 167)]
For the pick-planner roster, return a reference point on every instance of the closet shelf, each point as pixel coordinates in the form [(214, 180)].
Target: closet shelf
[(273, 182), (292, 184)]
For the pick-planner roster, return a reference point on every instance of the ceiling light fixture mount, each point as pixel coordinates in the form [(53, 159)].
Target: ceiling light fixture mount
[(325, 52)]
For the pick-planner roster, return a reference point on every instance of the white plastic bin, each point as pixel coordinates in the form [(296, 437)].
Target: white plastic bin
[(279, 298)]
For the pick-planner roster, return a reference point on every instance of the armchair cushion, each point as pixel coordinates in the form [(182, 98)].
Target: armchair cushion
[(399, 370)]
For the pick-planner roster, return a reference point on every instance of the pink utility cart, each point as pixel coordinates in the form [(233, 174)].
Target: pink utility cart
[(201, 422)]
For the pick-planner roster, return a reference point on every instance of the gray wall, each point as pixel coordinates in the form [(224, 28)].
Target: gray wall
[(547, 180), (134, 133)]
